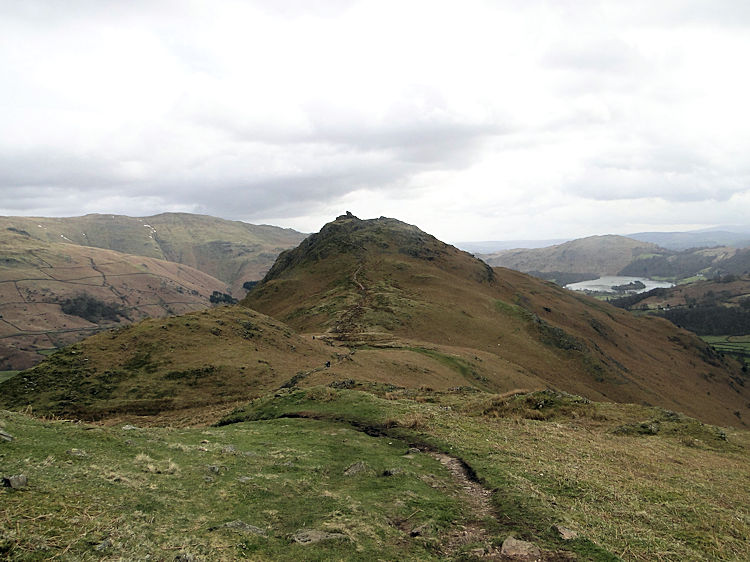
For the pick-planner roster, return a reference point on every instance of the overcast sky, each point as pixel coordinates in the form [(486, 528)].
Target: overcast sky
[(503, 119)]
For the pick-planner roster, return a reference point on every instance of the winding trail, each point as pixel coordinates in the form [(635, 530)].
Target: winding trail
[(474, 530)]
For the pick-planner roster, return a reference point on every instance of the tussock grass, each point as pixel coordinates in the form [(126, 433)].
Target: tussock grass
[(158, 493), (680, 493)]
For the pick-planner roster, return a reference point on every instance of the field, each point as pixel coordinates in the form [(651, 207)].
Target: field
[(738, 346)]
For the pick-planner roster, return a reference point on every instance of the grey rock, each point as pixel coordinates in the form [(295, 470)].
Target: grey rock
[(228, 450), (244, 479), (310, 536), (413, 451), (128, 427), (356, 468), (6, 436), (565, 533), (16, 481), (213, 468), (186, 557), (520, 550), (76, 452)]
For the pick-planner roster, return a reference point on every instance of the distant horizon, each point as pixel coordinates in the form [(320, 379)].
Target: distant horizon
[(474, 246)]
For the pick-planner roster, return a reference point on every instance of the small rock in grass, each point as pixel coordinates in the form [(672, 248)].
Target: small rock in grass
[(357, 468), (16, 481), (104, 545), (413, 451), (565, 533), (128, 427), (6, 436), (310, 536), (186, 557), (76, 452), (520, 550), (228, 450)]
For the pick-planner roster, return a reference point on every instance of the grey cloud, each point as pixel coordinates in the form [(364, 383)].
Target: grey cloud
[(602, 55), (614, 183)]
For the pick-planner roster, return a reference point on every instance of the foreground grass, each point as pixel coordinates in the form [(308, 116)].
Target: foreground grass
[(636, 483), (639, 483), (132, 494)]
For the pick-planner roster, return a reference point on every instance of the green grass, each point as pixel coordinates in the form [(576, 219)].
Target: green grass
[(459, 365), (677, 492), (637, 483), (5, 375), (97, 492), (738, 346)]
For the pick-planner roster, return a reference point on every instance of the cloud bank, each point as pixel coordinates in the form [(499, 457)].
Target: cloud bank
[(478, 120)]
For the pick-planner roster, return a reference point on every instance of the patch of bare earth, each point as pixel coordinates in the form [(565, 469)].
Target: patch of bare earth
[(474, 531)]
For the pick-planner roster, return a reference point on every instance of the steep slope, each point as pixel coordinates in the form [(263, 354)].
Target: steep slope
[(53, 294), (385, 283), (595, 255), (232, 251)]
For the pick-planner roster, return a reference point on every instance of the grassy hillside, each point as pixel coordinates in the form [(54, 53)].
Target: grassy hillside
[(386, 284), (201, 359), (53, 294), (336, 474), (232, 251)]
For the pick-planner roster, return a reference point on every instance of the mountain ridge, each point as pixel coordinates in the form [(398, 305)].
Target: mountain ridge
[(232, 251)]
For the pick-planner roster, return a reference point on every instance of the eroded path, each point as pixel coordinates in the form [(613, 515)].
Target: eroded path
[(477, 499)]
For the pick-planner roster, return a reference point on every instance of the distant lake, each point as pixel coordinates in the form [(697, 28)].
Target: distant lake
[(605, 284)]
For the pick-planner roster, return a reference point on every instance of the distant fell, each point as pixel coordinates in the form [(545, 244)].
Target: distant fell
[(695, 239), (232, 251), (596, 255)]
